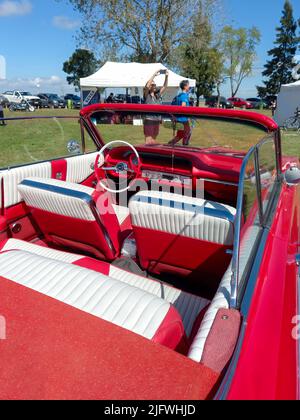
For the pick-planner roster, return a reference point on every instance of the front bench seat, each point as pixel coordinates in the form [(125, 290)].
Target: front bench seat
[(99, 295), (182, 235), (77, 217)]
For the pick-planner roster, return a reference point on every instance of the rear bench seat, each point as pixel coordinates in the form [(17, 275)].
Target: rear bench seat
[(104, 297), (188, 306), (62, 271)]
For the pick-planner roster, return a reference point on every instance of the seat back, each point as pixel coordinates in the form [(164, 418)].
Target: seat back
[(71, 215), (182, 234)]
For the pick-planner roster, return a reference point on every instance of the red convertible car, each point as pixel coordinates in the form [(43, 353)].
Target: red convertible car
[(157, 259)]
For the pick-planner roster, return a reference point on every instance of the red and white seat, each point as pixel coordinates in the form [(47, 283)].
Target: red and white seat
[(181, 234), (74, 169), (76, 216), (102, 296), (188, 306), (87, 284)]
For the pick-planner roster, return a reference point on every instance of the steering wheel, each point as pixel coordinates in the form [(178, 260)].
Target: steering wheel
[(131, 169)]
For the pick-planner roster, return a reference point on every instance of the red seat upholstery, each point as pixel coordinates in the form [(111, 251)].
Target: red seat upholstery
[(182, 234), (76, 216)]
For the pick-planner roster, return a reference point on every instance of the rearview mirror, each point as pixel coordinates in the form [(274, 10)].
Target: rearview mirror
[(73, 147)]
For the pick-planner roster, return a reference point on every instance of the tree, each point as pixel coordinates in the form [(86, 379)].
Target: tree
[(278, 70), (239, 50), (200, 56), (81, 64), (141, 30)]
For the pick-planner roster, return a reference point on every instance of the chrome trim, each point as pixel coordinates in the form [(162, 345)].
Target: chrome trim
[(237, 230), (58, 190), (238, 221), (258, 186), (98, 219), (221, 212), (231, 184)]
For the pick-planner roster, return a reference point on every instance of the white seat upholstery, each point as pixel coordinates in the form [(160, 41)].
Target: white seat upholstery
[(43, 251), (186, 216), (168, 226), (57, 197), (79, 168), (11, 178), (102, 296), (189, 306)]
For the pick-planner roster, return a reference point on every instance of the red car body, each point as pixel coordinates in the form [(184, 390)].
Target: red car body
[(57, 352), (241, 103)]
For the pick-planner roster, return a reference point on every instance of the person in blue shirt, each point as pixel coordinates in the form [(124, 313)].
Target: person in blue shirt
[(183, 100)]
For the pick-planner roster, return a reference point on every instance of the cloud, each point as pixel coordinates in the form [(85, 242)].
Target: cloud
[(52, 84), (13, 7), (64, 22)]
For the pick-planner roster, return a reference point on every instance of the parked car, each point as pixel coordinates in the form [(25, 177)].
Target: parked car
[(4, 101), (17, 97), (212, 102), (45, 103), (257, 103), (76, 100), (186, 288), (54, 100), (240, 103)]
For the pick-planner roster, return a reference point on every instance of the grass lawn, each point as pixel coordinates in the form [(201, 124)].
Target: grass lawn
[(29, 141)]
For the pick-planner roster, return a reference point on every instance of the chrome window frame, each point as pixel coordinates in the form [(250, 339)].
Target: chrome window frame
[(235, 297)]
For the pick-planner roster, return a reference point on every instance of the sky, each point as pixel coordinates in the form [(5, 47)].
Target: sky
[(37, 36)]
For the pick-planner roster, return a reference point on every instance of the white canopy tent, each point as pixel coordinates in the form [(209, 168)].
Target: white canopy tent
[(133, 76), (287, 102)]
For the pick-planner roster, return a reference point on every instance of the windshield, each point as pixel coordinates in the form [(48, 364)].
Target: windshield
[(175, 130), (26, 94)]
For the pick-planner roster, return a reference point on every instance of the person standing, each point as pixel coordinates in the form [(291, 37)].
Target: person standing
[(2, 115), (183, 100), (153, 96)]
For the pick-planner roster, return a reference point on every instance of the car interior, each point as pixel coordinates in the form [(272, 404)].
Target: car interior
[(157, 262)]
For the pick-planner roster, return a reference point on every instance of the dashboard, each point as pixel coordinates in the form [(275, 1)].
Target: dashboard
[(184, 167)]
